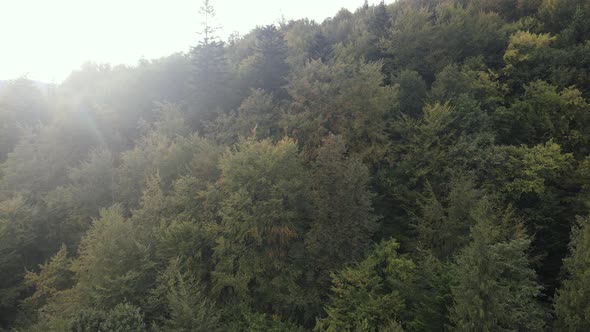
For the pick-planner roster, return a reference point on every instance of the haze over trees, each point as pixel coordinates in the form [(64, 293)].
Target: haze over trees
[(417, 166)]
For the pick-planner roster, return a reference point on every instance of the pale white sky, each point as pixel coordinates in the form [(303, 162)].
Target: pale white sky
[(46, 39)]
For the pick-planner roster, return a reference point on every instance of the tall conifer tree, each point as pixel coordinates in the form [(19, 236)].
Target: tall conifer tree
[(495, 287), (210, 67), (572, 302)]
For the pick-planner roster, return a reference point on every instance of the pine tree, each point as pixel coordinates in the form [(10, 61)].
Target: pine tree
[(53, 277), (430, 294), (259, 113), (269, 66), (17, 240), (210, 73), (443, 224), (185, 308), (412, 93), (571, 301), (343, 219), (319, 48), (370, 296), (113, 266), (495, 288), (380, 22)]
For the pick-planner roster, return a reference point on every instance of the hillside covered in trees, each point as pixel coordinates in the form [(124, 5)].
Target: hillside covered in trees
[(422, 165)]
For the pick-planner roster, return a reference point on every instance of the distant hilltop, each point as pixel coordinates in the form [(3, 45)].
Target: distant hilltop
[(42, 86)]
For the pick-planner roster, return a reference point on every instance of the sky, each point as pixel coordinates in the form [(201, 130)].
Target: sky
[(47, 39)]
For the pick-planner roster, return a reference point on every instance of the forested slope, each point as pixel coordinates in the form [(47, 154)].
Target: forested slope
[(420, 166)]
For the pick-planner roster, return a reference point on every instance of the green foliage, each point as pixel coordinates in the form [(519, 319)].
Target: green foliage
[(473, 90), (341, 99), (168, 153), (124, 317), (567, 17), (40, 160), (243, 318), (426, 40), (543, 113), (535, 166), (521, 45), (413, 31), (525, 57)]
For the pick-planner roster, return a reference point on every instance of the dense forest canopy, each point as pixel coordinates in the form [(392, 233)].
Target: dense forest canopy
[(422, 165)]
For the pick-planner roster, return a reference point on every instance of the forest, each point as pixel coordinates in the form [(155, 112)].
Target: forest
[(421, 165)]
